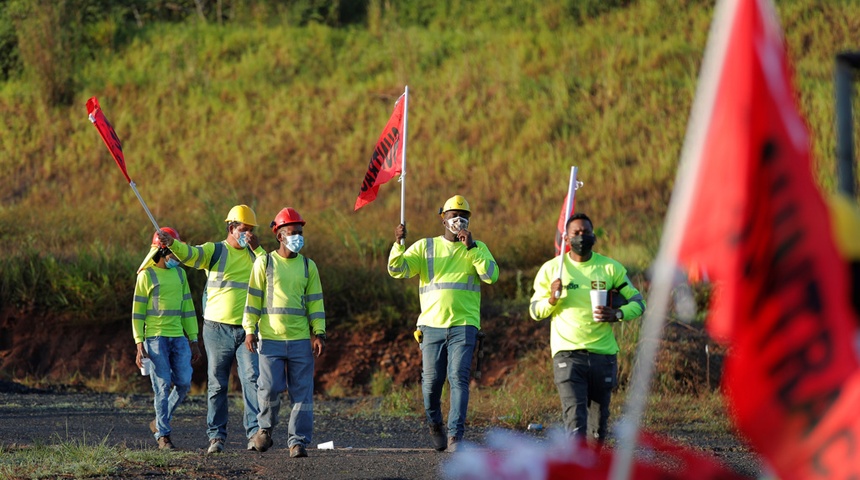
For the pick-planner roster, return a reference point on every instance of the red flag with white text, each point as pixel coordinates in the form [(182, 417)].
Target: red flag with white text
[(386, 162), (760, 227)]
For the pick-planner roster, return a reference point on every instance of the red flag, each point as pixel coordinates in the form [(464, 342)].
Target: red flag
[(562, 223), (386, 162), (759, 226), (108, 134)]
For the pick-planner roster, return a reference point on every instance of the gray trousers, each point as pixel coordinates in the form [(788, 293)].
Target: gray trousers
[(584, 379)]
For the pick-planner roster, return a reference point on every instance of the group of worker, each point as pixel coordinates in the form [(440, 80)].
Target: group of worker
[(265, 310)]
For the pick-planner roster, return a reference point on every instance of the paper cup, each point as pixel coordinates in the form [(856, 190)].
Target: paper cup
[(147, 366), (598, 298), (326, 446)]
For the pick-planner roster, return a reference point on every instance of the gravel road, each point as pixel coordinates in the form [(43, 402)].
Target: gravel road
[(365, 446)]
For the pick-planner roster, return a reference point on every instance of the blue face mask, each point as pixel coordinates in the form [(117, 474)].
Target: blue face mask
[(172, 263), (294, 243), (242, 239)]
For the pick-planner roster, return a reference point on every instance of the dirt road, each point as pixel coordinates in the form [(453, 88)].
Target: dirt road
[(365, 446)]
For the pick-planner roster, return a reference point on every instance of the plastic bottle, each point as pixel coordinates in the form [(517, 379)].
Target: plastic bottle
[(535, 427)]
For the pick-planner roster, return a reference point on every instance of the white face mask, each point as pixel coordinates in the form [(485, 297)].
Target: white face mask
[(241, 238), (293, 243), (456, 224)]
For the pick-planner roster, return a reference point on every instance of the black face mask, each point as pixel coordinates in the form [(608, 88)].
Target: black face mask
[(582, 244)]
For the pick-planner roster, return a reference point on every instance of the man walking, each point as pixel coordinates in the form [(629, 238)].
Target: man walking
[(451, 268), (584, 350), (228, 266), (285, 301)]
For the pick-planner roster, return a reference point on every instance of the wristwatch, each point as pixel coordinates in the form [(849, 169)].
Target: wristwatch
[(321, 336), (619, 315)]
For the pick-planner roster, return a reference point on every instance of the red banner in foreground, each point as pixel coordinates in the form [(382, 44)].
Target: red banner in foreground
[(386, 162), (759, 226)]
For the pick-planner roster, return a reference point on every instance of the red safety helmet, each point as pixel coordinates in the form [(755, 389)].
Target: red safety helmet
[(285, 217), (173, 233)]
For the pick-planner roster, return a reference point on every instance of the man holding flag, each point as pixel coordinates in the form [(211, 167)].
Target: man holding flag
[(584, 350), (451, 268), (228, 266)]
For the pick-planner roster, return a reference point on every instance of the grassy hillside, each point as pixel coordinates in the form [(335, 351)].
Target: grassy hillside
[(275, 111)]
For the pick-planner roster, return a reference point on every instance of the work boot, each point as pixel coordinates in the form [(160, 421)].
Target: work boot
[(437, 433), (164, 443), (251, 445), (298, 450), (216, 445), (454, 444), (262, 440), (152, 427)]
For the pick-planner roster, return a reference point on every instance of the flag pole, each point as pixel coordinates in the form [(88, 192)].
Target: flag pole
[(677, 216), (403, 164), (571, 193), (148, 213)]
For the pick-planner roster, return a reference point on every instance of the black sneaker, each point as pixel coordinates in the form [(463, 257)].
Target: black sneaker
[(437, 433)]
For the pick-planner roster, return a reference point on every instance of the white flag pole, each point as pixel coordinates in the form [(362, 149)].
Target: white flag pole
[(677, 217), (571, 194), (403, 164)]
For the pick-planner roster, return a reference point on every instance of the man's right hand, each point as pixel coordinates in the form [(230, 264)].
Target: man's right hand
[(251, 342), (400, 233), (555, 291), (141, 354), (165, 238)]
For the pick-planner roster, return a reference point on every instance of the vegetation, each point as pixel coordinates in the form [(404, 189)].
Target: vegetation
[(220, 103)]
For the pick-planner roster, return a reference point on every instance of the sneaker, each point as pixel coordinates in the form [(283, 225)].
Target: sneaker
[(298, 450), (216, 445), (164, 443), (152, 427), (454, 444), (262, 440), (251, 445)]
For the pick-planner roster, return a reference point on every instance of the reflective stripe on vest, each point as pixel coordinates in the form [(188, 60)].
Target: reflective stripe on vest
[(156, 287), (471, 285), (270, 292)]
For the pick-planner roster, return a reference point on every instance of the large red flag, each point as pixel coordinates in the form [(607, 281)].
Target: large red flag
[(386, 162), (760, 227)]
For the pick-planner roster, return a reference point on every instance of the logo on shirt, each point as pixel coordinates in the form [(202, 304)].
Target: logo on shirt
[(598, 285)]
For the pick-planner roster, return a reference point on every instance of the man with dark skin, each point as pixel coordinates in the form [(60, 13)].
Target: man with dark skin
[(451, 268), (584, 349)]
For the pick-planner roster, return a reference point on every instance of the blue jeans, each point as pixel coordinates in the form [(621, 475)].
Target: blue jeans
[(582, 378), (223, 344), (171, 364), (447, 350), (296, 356)]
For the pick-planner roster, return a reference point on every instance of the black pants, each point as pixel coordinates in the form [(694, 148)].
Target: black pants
[(583, 378)]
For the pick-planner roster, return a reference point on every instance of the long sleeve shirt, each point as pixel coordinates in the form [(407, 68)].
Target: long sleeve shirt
[(162, 305), (450, 278), (285, 298), (573, 326)]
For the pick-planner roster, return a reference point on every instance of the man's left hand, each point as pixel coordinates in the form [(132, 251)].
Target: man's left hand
[(252, 240), (195, 353), (605, 314), (318, 346)]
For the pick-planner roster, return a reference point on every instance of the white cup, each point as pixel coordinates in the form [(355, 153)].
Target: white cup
[(326, 446), (147, 366), (598, 298)]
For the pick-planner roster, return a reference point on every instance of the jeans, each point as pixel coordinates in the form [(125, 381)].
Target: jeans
[(583, 378), (171, 364), (223, 343), (296, 356), (447, 350)]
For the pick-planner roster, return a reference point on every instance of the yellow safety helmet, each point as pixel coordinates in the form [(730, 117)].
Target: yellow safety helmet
[(457, 202), (242, 214)]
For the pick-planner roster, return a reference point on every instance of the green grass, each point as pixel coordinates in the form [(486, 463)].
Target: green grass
[(77, 458)]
